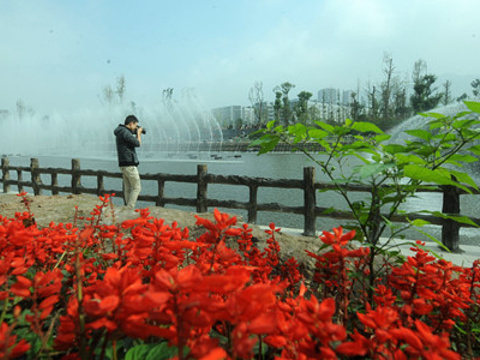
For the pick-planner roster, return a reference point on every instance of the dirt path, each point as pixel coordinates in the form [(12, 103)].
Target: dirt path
[(62, 209)]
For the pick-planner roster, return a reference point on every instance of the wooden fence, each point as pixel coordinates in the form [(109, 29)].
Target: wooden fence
[(310, 210)]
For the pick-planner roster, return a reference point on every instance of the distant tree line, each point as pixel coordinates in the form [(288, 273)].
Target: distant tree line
[(386, 104)]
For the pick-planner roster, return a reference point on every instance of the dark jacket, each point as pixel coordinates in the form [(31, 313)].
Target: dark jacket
[(126, 143)]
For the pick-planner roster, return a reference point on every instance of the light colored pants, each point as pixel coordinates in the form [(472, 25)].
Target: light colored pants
[(131, 185)]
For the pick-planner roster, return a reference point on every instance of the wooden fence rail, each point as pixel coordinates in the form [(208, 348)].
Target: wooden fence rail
[(310, 210)]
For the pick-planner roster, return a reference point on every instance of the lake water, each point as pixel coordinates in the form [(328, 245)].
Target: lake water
[(273, 165)]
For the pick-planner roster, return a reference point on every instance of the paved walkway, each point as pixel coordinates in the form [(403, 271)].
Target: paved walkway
[(469, 253)]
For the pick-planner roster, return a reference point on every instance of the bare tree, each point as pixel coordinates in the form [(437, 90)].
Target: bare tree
[(447, 93), (386, 87), (419, 70), (121, 88), (258, 103), (167, 96), (21, 109), (108, 95)]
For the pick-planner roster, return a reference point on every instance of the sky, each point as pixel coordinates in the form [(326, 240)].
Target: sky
[(59, 55)]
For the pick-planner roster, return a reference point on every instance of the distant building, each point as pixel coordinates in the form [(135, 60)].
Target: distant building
[(347, 97), (248, 116), (327, 96), (235, 116), (335, 96), (227, 115)]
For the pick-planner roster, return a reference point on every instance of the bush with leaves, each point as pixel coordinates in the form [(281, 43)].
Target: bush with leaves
[(359, 153)]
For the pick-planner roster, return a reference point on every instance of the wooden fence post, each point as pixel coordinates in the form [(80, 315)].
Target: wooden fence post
[(76, 177), (310, 201), (100, 185), (19, 180), (5, 174), (54, 178), (451, 228), (201, 188), (36, 179), (160, 192), (252, 204)]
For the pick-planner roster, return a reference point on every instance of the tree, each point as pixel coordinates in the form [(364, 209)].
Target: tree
[(277, 105), (301, 109), (23, 110), (386, 89), (392, 172), (121, 88), (167, 96), (462, 97), (259, 105), (447, 93), (475, 88), (287, 112), (374, 106), (323, 113), (282, 108), (419, 69), (402, 111), (424, 96), (238, 123), (355, 107), (108, 95)]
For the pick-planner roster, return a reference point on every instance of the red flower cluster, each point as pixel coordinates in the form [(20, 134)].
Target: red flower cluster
[(84, 292)]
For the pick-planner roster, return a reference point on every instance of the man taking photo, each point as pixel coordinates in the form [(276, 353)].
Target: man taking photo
[(128, 138)]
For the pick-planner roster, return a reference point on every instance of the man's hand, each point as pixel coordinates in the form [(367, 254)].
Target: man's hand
[(139, 134)]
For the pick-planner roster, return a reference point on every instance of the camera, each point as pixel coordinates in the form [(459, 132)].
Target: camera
[(143, 131)]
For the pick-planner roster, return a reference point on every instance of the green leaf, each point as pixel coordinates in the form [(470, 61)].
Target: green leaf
[(433, 115), (366, 127), (463, 158), (394, 148), (435, 240), (161, 351), (473, 105), (298, 130), (138, 352), (329, 211), (461, 219), (270, 124), (369, 170), (327, 127), (410, 159), (464, 178), (465, 124), (420, 133), (158, 351), (437, 176), (267, 143), (475, 149), (317, 134), (419, 222), (382, 137)]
